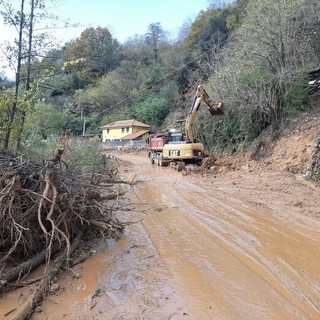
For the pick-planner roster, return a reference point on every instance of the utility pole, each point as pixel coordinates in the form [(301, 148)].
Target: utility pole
[(83, 123)]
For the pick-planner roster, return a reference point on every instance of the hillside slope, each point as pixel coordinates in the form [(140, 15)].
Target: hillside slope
[(292, 152)]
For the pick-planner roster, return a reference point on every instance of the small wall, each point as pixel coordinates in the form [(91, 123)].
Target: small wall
[(124, 144)]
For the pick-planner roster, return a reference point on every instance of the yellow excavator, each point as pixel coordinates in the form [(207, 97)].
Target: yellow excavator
[(181, 149)]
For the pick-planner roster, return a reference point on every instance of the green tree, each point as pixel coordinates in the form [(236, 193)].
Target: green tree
[(6, 100), (207, 35), (97, 47), (277, 42), (153, 110), (18, 21), (154, 36), (22, 52), (44, 120)]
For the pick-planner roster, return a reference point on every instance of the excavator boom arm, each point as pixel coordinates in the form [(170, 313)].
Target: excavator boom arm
[(215, 109)]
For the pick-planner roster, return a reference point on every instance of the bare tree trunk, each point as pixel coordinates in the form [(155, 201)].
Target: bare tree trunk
[(37, 296), (15, 102), (23, 116)]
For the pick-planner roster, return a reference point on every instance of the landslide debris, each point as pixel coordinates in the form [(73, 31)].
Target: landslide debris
[(45, 213)]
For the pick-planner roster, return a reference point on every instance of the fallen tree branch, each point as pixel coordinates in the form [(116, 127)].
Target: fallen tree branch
[(25, 267), (27, 308)]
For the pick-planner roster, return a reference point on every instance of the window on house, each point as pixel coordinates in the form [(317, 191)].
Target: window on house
[(127, 129), (108, 131), (122, 130)]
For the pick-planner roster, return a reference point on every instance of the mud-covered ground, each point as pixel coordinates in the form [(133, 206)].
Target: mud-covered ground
[(239, 240)]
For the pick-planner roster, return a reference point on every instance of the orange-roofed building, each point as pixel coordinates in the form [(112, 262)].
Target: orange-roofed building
[(125, 130)]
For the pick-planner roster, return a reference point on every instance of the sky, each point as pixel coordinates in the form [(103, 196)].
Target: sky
[(123, 18), (126, 18)]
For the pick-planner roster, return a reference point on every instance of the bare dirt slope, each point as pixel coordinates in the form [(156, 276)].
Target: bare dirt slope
[(237, 240)]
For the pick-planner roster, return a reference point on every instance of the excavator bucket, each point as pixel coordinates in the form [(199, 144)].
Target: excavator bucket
[(216, 109)]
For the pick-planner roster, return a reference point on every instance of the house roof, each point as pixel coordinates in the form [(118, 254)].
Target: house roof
[(126, 123), (134, 135)]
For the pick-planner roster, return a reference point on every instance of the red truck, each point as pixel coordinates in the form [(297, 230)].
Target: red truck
[(156, 141)]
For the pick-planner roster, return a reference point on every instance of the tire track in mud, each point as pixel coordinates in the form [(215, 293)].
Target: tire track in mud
[(224, 224), (276, 252)]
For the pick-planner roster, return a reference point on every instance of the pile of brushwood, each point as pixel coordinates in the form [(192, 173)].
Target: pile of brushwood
[(46, 210)]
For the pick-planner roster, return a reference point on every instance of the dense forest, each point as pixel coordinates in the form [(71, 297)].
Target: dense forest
[(252, 55)]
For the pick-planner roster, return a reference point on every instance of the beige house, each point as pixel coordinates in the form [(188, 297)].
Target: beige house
[(125, 130)]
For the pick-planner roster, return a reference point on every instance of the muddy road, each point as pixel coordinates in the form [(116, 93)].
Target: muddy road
[(236, 245)]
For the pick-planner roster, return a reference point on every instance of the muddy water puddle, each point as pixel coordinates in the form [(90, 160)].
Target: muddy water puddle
[(75, 292)]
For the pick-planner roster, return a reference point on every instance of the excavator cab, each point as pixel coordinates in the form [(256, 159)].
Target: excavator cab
[(176, 138)]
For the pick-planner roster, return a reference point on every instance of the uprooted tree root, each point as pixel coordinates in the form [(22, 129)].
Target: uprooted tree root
[(46, 211)]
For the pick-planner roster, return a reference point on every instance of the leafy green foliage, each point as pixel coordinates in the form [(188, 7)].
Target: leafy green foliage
[(84, 157), (75, 124), (212, 27), (154, 37), (38, 149), (44, 121), (6, 99), (97, 47), (153, 110), (296, 96)]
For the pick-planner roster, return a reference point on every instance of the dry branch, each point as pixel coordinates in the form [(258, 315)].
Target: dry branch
[(27, 308), (43, 209), (25, 267)]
